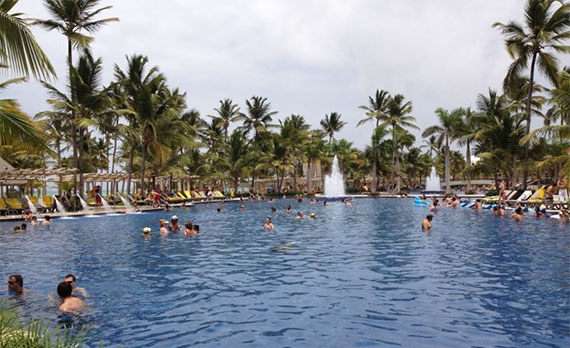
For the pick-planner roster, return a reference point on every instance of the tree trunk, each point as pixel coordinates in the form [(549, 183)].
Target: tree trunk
[(528, 115), (374, 175), (131, 159), (295, 178), (308, 177), (447, 185), (468, 162), (73, 127), (60, 183)]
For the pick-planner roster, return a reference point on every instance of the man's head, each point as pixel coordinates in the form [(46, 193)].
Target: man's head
[(188, 225), (174, 219), (16, 284), (429, 217), (495, 208), (64, 289), (70, 278), (519, 211)]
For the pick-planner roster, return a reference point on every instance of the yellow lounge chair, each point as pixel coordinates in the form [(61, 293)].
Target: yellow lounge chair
[(538, 196), (196, 195), (188, 194), (48, 201), (218, 194), (14, 205), (3, 208)]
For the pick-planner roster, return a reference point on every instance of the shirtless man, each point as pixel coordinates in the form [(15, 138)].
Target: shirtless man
[(16, 285), (47, 221), (189, 229), (174, 226), (498, 211), (435, 206), (426, 223), (517, 215), (538, 213), (268, 226), (478, 205), (70, 303)]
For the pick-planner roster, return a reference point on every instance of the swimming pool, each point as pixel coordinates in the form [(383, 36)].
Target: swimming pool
[(358, 275)]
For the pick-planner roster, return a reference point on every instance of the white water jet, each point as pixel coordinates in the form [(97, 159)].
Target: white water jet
[(128, 206), (59, 206), (432, 181), (84, 204), (334, 183), (106, 206), (31, 205)]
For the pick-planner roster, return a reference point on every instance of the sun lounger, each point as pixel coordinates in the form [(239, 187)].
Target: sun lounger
[(218, 194), (188, 194), (196, 195), (14, 205), (3, 208), (538, 196), (526, 195)]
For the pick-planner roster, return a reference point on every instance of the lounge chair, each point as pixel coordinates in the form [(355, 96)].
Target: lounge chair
[(3, 208), (525, 196), (218, 194), (538, 196), (14, 205), (188, 194)]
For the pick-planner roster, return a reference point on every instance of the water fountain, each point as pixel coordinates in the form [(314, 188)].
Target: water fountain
[(433, 184), (31, 205), (84, 205), (334, 183), (128, 206), (59, 207), (106, 206)]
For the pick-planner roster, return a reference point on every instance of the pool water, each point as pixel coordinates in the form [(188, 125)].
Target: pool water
[(360, 275)]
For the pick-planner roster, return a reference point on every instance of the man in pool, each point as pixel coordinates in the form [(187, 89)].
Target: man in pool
[(16, 285), (498, 211), (174, 226), (273, 210), (47, 220), (299, 215), (242, 207), (70, 303), (435, 205), (268, 226), (517, 215), (478, 205), (426, 223), (70, 278)]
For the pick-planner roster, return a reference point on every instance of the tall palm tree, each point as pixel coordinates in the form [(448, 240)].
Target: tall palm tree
[(18, 47), (432, 144), (398, 118), (376, 108), (546, 29), (228, 112), (332, 124), (466, 132), (447, 131), (294, 134), (258, 119), (314, 151), (72, 18)]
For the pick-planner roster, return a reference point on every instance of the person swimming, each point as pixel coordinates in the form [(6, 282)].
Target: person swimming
[(299, 215), (288, 209), (34, 221), (498, 211), (174, 226), (478, 205), (426, 223), (313, 216), (348, 202), (219, 211), (435, 205), (47, 220), (283, 248), (146, 233), (70, 303), (273, 210), (268, 226), (196, 229), (189, 229), (163, 228), (538, 213), (242, 207), (16, 285), (517, 215), (70, 278)]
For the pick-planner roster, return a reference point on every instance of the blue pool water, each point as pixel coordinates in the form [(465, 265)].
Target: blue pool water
[(364, 275)]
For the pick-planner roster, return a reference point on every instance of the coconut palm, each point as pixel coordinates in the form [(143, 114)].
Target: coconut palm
[(332, 124), (447, 132), (258, 119), (294, 134), (398, 118), (466, 132), (432, 144), (376, 108), (235, 162), (72, 18), (228, 112), (545, 30)]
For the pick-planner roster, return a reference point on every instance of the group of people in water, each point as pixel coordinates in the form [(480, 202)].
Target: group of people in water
[(67, 290), (33, 221), (453, 201), (173, 226)]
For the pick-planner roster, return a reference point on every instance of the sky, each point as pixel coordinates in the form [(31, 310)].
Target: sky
[(307, 57)]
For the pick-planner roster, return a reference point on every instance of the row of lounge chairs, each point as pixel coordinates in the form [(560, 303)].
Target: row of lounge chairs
[(528, 197), (179, 197), (14, 206)]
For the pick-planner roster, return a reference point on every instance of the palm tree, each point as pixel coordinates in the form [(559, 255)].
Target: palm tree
[(258, 119), (294, 134), (467, 131), (447, 132), (433, 144), (378, 106), (235, 163), (315, 151), (398, 118), (18, 47), (228, 112), (332, 124), (546, 29), (71, 18)]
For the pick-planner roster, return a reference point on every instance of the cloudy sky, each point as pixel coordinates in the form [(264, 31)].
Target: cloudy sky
[(307, 57)]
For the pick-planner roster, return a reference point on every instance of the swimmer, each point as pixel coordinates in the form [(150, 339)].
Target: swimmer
[(325, 203), (564, 216), (477, 206), (70, 278), (196, 229), (34, 221), (435, 205), (24, 227), (189, 229), (423, 197), (28, 215), (312, 201), (17, 229), (273, 210), (174, 226), (299, 215), (299, 200), (313, 216), (538, 213), (16, 285), (348, 202), (70, 303), (163, 229), (517, 215), (268, 226), (146, 233), (242, 207), (47, 220), (288, 210), (167, 207), (271, 199), (426, 223), (219, 211), (498, 211)]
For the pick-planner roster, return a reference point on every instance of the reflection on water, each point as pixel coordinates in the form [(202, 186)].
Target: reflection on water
[(357, 275)]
